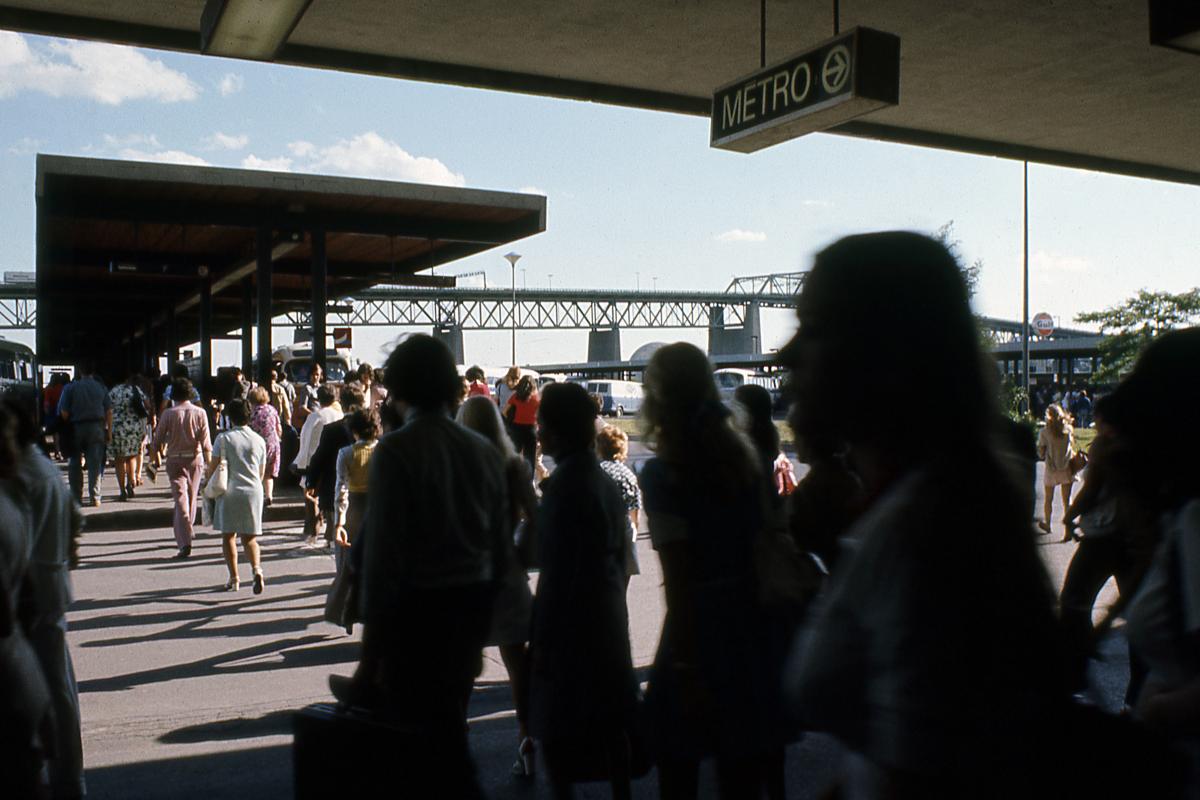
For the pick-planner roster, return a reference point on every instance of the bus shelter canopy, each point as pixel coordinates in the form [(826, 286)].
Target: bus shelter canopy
[(127, 247)]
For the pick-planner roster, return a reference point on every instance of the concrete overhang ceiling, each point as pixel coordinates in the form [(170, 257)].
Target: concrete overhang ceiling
[(1075, 83)]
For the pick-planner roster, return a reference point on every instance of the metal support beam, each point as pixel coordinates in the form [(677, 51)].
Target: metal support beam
[(320, 296), (262, 278), (205, 330), (248, 328)]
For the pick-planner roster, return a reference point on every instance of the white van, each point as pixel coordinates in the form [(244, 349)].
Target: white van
[(297, 364), (618, 397)]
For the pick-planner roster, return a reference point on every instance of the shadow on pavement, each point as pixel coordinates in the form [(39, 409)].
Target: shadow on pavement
[(261, 772), (303, 651), (276, 723)]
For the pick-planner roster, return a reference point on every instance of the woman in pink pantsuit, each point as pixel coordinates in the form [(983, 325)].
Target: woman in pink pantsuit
[(183, 430)]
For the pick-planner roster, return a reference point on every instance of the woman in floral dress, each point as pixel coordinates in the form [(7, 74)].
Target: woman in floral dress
[(264, 420), (128, 416)]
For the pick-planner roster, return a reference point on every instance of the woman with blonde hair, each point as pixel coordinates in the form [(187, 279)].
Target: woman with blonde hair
[(612, 448), (264, 420), (1056, 446), (513, 608)]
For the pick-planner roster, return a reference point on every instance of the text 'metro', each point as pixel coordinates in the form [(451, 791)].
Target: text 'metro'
[(848, 76)]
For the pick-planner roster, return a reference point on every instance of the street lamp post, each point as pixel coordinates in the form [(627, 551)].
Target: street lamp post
[(512, 259), (551, 280)]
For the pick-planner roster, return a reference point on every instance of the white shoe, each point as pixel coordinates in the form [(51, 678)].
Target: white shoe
[(310, 543)]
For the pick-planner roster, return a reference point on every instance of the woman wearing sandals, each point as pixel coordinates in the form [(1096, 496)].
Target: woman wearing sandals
[(238, 511), (1056, 446)]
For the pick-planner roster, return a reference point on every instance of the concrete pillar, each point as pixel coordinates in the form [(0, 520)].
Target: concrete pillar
[(248, 329), (319, 296), (172, 339), (604, 345), (206, 369), (731, 341), (262, 279), (452, 336)]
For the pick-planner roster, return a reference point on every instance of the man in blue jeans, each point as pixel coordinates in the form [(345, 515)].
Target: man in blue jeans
[(84, 405)]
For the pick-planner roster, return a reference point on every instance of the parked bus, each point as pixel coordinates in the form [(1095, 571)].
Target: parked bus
[(728, 379), (18, 365)]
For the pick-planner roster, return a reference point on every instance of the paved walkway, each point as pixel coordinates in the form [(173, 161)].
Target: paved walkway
[(186, 690)]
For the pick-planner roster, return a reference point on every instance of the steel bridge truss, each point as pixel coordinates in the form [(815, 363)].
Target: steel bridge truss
[(17, 313), (493, 309)]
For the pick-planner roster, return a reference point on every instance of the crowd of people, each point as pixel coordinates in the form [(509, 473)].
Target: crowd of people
[(893, 597)]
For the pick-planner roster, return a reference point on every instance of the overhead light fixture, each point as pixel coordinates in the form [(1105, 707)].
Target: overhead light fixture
[(254, 29), (1176, 25)]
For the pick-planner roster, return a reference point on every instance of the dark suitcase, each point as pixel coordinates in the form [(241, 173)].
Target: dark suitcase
[(338, 752)]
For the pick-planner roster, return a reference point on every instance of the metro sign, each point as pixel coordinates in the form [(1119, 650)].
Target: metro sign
[(848, 76)]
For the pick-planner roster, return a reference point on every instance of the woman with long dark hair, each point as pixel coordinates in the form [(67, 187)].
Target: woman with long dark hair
[(710, 690), (513, 607), (934, 655), (1163, 474)]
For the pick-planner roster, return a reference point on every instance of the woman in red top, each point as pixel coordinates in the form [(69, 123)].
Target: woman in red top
[(521, 413)]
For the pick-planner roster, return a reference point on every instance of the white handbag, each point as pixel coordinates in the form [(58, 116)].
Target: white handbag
[(218, 483)]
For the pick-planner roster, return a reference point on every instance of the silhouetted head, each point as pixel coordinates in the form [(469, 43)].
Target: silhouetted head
[(366, 373), (481, 415), (474, 373), (181, 390), (512, 376), (1167, 372), (326, 394), (686, 423), (364, 424), (351, 398), (566, 419), (756, 402), (883, 319), (525, 387), (238, 411), (421, 373)]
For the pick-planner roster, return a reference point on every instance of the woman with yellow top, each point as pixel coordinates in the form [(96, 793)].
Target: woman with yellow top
[(353, 462)]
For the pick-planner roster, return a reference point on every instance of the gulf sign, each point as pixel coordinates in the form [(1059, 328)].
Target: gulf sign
[(843, 78), (1043, 324)]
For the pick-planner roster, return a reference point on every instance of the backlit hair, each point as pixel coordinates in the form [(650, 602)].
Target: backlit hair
[(612, 444)]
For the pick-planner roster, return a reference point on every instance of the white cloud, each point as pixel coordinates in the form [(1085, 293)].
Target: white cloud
[(232, 83), (224, 141), (532, 190), (1043, 261), (162, 156), (25, 146), (281, 164), (369, 155), (301, 149), (135, 140), (107, 73), (739, 235)]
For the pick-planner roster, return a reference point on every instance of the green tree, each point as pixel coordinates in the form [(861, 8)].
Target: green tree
[(970, 272), (1130, 325)]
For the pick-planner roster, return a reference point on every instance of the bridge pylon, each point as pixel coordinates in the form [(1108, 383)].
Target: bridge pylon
[(744, 339), (604, 344)]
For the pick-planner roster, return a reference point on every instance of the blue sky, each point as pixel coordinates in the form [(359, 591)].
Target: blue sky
[(631, 194)]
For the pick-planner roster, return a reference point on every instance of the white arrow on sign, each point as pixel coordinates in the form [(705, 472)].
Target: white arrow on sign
[(836, 69)]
